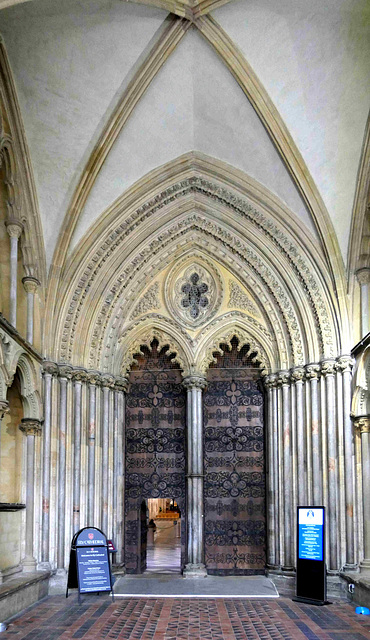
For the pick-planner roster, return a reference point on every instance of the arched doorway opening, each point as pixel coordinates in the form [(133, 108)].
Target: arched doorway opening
[(155, 446), (234, 464)]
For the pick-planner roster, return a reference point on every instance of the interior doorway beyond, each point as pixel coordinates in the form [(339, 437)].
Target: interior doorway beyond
[(164, 536)]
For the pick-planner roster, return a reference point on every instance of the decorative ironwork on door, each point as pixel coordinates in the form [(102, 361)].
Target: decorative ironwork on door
[(234, 483), (155, 442)]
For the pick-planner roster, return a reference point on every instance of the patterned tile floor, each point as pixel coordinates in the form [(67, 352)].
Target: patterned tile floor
[(97, 618)]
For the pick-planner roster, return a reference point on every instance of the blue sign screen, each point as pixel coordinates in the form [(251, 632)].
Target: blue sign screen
[(311, 533)]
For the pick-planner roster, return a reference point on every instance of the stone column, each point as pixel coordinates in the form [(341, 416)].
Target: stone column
[(363, 277), (120, 388), (14, 229), (328, 372), (65, 373), (284, 382), (78, 375), (195, 518), (31, 427), (298, 375), (107, 384), (4, 408), (312, 374), (50, 369), (31, 285), (362, 423), (94, 380), (272, 486), (344, 366)]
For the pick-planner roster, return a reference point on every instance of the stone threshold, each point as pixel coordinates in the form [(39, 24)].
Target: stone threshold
[(361, 582), (20, 592)]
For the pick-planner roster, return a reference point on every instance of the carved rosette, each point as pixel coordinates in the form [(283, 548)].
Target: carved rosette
[(193, 292), (30, 426)]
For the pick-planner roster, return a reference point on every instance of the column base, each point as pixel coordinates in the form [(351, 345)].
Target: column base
[(119, 569), (365, 565), (58, 582), (350, 567), (29, 564), (44, 566), (195, 571)]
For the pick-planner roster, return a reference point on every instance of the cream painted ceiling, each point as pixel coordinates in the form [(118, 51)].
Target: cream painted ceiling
[(72, 61)]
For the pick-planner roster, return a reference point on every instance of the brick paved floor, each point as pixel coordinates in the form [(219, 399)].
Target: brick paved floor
[(97, 618)]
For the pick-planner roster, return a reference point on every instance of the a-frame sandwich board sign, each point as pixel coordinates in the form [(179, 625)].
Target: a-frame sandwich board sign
[(89, 566)]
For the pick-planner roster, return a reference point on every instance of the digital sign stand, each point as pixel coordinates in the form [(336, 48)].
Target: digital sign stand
[(311, 567)]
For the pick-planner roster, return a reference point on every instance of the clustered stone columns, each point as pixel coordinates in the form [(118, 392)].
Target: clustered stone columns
[(362, 423), (31, 285), (195, 477), (83, 459), (310, 459), (31, 427), (14, 229), (363, 277), (50, 370)]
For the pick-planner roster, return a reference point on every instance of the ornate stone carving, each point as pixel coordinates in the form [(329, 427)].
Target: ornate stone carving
[(145, 339), (239, 299), (149, 301), (107, 381), (30, 284), (362, 423), (65, 371), (240, 207), (193, 291), (79, 375), (283, 378), (270, 381), (344, 363), (120, 384), (4, 408), (94, 378), (298, 375), (363, 275), (197, 381), (225, 337), (30, 426), (313, 371), (14, 228), (50, 367), (328, 368)]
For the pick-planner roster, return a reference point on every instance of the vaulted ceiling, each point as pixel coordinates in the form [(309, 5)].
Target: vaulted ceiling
[(110, 90)]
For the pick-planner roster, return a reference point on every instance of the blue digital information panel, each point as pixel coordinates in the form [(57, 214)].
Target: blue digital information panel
[(311, 533)]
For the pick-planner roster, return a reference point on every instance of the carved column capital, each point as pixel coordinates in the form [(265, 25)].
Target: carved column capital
[(14, 228), (4, 408), (30, 284), (283, 379), (270, 381), (313, 371), (298, 375), (65, 371), (344, 364), (31, 426), (79, 375), (197, 381), (107, 380), (328, 368), (363, 275), (50, 367), (121, 384), (362, 423), (93, 378)]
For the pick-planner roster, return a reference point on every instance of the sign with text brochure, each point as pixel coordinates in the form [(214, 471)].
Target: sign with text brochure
[(311, 569)]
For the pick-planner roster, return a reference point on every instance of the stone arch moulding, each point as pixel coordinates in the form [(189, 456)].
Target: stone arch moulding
[(228, 205), (247, 330), (30, 387), (143, 332)]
